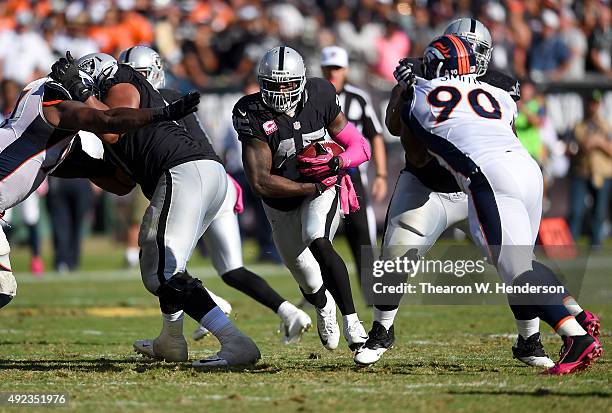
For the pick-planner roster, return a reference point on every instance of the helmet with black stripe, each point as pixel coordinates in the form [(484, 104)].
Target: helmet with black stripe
[(448, 55), (479, 37), (282, 78), (147, 62)]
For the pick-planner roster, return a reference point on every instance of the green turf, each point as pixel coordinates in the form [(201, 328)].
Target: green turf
[(446, 357)]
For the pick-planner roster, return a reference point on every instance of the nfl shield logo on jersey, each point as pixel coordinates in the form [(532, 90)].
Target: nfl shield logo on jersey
[(270, 127)]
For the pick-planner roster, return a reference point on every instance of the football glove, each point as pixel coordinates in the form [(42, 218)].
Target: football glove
[(325, 183), (315, 167), (404, 74), (179, 108), (66, 72)]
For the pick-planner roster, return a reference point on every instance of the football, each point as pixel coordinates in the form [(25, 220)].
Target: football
[(320, 147)]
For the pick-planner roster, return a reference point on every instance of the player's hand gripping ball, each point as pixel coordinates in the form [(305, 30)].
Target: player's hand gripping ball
[(319, 160)]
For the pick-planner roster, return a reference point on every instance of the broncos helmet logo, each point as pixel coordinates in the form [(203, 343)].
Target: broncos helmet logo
[(443, 49), (449, 55)]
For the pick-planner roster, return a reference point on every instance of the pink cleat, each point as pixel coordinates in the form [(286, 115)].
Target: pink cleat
[(590, 322), (36, 266), (577, 353)]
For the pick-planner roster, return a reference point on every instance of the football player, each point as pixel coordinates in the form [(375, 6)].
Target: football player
[(468, 126), (427, 201), (222, 237), (38, 135), (186, 184), (303, 199)]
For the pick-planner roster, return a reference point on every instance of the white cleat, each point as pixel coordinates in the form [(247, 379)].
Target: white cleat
[(294, 326), (199, 333), (164, 347), (355, 335), (236, 351), (327, 326), (222, 303)]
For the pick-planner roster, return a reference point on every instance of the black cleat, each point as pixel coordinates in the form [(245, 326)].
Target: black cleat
[(531, 352), (379, 341)]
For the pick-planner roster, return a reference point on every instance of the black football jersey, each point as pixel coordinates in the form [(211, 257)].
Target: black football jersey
[(432, 174), (285, 135), (144, 154)]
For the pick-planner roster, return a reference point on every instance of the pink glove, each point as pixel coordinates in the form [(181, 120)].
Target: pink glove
[(326, 183), (315, 167), (348, 197), (239, 205)]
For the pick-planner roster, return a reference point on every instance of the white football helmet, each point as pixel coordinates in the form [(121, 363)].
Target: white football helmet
[(147, 62), (479, 37), (100, 66), (282, 78)]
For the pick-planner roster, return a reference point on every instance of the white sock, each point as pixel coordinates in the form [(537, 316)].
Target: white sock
[(572, 306), (570, 327), (527, 328), (214, 321), (173, 324), (350, 319), (385, 318), (285, 310)]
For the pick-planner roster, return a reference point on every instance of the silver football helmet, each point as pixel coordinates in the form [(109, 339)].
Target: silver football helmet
[(99, 66), (147, 62), (282, 78), (479, 37)]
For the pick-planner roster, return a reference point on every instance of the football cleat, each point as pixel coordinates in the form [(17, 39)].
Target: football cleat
[(531, 352), (327, 326), (577, 353), (355, 334), (237, 350), (379, 341), (294, 325), (164, 347), (590, 322)]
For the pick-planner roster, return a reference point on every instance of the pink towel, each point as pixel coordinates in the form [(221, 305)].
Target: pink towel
[(239, 205), (348, 197)]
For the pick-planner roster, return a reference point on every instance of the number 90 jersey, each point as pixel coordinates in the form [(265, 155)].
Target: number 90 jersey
[(462, 121)]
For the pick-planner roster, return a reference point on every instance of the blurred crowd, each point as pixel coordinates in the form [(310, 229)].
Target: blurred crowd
[(215, 45)]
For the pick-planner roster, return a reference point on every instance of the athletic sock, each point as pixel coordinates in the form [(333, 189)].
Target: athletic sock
[(570, 327), (254, 286), (173, 324), (318, 298), (527, 328), (350, 319), (215, 321), (572, 306), (334, 273), (385, 317), (285, 310)]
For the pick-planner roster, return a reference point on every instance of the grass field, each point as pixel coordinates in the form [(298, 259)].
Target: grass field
[(74, 334)]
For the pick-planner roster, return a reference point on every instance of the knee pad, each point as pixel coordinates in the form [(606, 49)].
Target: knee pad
[(176, 291)]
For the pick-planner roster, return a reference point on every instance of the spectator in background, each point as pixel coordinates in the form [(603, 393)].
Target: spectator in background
[(549, 57), (591, 170), (502, 56), (68, 202), (391, 47), (75, 37), (24, 55), (600, 43), (419, 28), (530, 118), (576, 42)]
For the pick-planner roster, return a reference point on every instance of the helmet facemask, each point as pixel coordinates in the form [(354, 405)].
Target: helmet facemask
[(482, 51), (281, 91)]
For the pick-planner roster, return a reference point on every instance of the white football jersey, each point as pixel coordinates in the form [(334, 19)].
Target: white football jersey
[(30, 148), (462, 121)]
